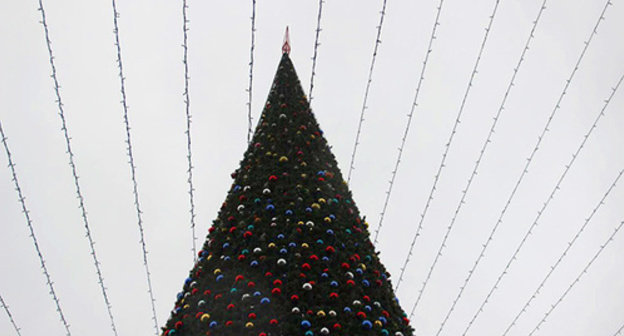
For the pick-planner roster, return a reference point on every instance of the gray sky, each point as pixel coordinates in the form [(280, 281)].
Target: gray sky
[(219, 40)]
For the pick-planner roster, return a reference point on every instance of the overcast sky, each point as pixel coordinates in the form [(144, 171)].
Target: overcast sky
[(219, 43)]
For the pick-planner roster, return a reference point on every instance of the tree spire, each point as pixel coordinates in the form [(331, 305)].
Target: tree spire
[(286, 45)]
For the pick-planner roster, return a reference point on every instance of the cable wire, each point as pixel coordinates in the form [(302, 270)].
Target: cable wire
[(74, 169), (408, 124), (316, 45), (577, 279), (619, 332), (445, 154), (488, 140), (563, 255), (6, 309), (132, 165), (368, 84), (561, 178), (251, 63), (187, 105)]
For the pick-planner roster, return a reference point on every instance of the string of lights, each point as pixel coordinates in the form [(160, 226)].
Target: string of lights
[(251, 63), (29, 223), (74, 169), (316, 45), (442, 163), (135, 191), (544, 206), (445, 154), (404, 138), (368, 84), (563, 255), (6, 309), (577, 279), (407, 128), (484, 147), (187, 110)]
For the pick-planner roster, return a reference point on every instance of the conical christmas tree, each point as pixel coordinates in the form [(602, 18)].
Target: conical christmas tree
[(288, 253)]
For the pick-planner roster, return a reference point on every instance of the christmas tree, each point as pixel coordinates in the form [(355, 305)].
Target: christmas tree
[(288, 253)]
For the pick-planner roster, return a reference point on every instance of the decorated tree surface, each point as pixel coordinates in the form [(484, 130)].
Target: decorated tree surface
[(288, 253)]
